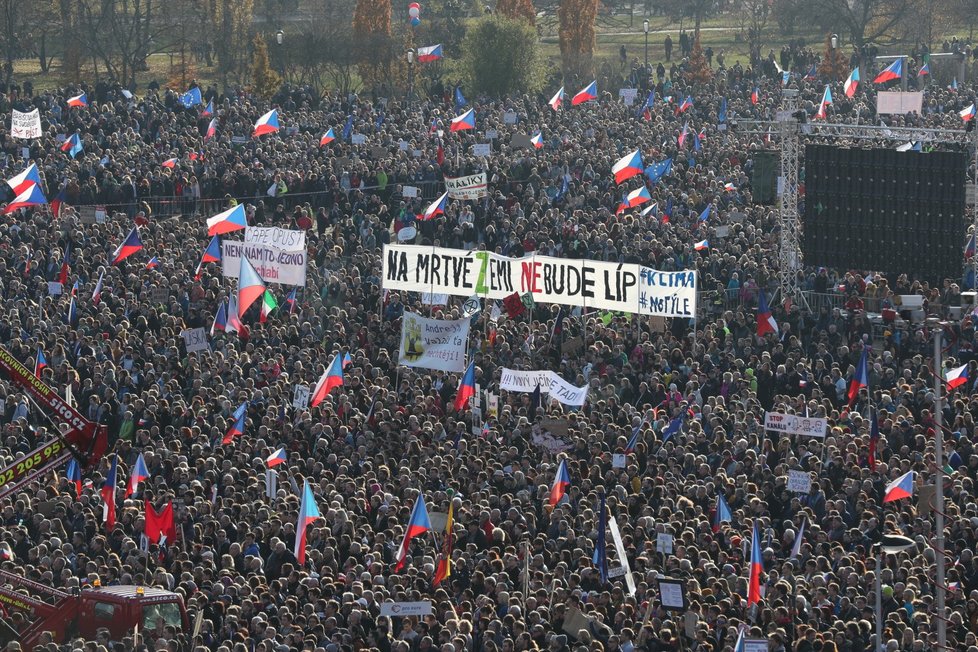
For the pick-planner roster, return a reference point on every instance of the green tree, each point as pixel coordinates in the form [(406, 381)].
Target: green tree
[(519, 9), (375, 52), (576, 36), (500, 56), (264, 80), (230, 22)]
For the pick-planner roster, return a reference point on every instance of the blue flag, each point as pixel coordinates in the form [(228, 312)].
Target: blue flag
[(191, 98), (348, 127), (722, 114), (657, 170), (459, 98), (564, 187), (600, 557)]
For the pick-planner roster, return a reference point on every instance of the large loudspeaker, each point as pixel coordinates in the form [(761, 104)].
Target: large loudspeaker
[(885, 211), (764, 178)]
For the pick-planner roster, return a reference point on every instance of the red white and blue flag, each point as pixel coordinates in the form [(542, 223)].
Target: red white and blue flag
[(209, 109), (418, 524), (435, 208), (72, 145), (900, 488), (78, 100), (628, 166), (327, 138), (968, 113), (237, 428), (766, 323), (267, 124), (129, 246), (211, 129), (557, 99), (537, 140), (59, 200), (956, 377), (250, 286), (560, 484), (139, 473), (170, 163), (73, 475), (924, 70), (586, 94), (826, 101), (308, 513), (891, 72), (25, 179), (635, 198), (464, 121), (30, 197), (860, 379), (97, 292), (153, 263), (332, 377), (108, 494), (685, 105), (702, 245), (429, 53), (40, 362), (755, 95), (276, 458), (233, 219), (466, 389), (852, 83), (220, 319), (756, 568)]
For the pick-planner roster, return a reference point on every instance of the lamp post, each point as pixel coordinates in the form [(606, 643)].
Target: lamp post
[(645, 28), (834, 40), (279, 39), (410, 58)]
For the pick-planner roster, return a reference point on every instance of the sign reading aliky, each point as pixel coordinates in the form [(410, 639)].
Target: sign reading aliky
[(566, 281)]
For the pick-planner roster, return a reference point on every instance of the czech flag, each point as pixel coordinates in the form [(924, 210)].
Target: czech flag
[(73, 474), (276, 458), (212, 254), (852, 83), (586, 94), (108, 495), (634, 198), (765, 320), (892, 71), (557, 99), (799, 539), (537, 140), (650, 209), (308, 513), (59, 199), (250, 286), (729, 187), (97, 292), (40, 363), (430, 53), (78, 100), (237, 428), (30, 197), (211, 129), (686, 104), (953, 377), (129, 246), (233, 219), (170, 163), (561, 482), (900, 488), (811, 74), (72, 313), (267, 124), (418, 524), (628, 167), (291, 300), (72, 145), (954, 84), (139, 473), (681, 140), (754, 95), (153, 263), (436, 207), (209, 109), (25, 180), (924, 70), (756, 568), (332, 377), (860, 379), (327, 138), (464, 121), (969, 248), (466, 389), (826, 100), (701, 245), (723, 513), (220, 319), (967, 114)]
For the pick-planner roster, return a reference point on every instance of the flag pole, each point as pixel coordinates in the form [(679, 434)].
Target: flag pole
[(879, 592), (939, 491)]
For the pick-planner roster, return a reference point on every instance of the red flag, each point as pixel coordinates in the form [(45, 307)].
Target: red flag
[(160, 523), (441, 154)]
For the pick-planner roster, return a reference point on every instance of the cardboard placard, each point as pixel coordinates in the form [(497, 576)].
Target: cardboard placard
[(664, 543), (409, 191), (482, 149), (358, 139), (195, 339), (509, 118), (799, 482), (55, 288), (618, 461), (300, 397)]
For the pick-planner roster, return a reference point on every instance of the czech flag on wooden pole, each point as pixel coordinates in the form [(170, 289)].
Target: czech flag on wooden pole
[(72, 145), (756, 568), (860, 379), (586, 94), (467, 389), (968, 113), (628, 166), (237, 428), (233, 219), (267, 124), (900, 488), (436, 207), (557, 99), (892, 71), (40, 362), (276, 458), (765, 320), (852, 83), (332, 377), (108, 495), (561, 482), (212, 254), (956, 377), (308, 512), (635, 198), (129, 246), (418, 524), (138, 474), (250, 286), (464, 121), (327, 138), (30, 197), (220, 319), (25, 180)]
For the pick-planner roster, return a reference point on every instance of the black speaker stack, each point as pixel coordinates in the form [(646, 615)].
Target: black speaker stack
[(885, 211)]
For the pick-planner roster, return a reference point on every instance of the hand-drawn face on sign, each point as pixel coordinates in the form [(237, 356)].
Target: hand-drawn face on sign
[(411, 346)]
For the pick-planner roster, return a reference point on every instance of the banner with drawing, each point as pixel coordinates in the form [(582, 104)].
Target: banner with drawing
[(602, 285), (513, 380), (433, 343)]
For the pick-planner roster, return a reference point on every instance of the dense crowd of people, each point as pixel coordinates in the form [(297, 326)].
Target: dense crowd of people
[(523, 575)]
